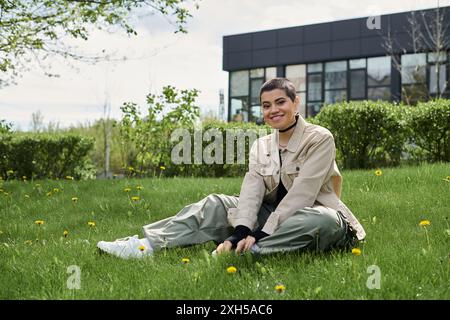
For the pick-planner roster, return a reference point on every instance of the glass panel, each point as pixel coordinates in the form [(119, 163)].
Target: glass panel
[(315, 87), (256, 114), (257, 73), (357, 63), (254, 91), (315, 67), (333, 96), (380, 93), (314, 108), (378, 71), (434, 75), (336, 75), (271, 73), (239, 109), (435, 56), (413, 68), (239, 83), (357, 84), (302, 104), (297, 74)]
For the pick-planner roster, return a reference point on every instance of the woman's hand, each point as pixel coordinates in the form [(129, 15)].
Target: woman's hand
[(245, 244), (224, 247)]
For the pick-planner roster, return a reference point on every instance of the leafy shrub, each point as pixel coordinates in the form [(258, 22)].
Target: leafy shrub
[(367, 133), (41, 156), (429, 125)]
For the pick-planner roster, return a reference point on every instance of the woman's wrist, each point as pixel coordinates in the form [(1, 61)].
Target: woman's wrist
[(240, 232)]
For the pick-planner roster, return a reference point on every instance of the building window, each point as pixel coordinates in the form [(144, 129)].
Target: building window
[(379, 78), (335, 81), (358, 75), (437, 80), (414, 73), (239, 87), (297, 74), (314, 91)]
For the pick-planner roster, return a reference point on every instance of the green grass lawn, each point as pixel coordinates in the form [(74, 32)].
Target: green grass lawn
[(413, 261)]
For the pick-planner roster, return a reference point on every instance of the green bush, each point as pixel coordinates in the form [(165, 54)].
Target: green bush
[(233, 146), (429, 125), (367, 134), (39, 156)]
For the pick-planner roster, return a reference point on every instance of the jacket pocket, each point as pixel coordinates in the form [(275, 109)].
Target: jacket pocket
[(293, 169), (266, 171)]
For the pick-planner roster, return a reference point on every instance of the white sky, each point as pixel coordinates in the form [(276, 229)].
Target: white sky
[(159, 57)]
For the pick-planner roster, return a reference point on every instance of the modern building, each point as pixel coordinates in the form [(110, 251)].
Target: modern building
[(402, 56)]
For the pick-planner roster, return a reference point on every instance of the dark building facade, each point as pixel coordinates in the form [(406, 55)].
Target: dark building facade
[(402, 56)]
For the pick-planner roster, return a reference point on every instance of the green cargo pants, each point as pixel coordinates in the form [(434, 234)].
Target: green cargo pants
[(317, 228)]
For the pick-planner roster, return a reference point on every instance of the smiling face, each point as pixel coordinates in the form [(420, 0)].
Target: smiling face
[(278, 109)]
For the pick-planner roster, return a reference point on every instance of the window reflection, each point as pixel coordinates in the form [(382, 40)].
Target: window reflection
[(239, 83), (379, 71), (314, 87), (414, 68), (336, 75)]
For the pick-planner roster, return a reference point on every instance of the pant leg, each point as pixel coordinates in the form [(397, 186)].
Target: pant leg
[(319, 228), (199, 222)]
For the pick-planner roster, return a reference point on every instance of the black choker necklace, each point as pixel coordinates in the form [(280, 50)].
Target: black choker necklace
[(291, 126)]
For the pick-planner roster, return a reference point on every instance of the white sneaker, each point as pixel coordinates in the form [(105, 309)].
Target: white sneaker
[(126, 248)]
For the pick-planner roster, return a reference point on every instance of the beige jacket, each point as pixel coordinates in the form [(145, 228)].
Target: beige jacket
[(309, 173)]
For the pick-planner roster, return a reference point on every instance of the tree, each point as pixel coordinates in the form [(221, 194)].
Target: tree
[(428, 31), (37, 121), (33, 29)]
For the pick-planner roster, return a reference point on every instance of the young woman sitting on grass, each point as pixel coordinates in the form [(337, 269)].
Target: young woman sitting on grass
[(289, 199)]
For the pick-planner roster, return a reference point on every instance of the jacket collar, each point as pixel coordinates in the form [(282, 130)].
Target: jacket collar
[(294, 141)]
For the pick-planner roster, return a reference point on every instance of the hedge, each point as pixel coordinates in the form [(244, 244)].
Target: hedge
[(39, 156)]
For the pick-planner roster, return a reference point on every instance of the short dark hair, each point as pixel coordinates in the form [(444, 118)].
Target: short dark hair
[(279, 83)]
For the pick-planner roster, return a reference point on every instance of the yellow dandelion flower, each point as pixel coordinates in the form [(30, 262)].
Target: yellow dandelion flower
[(162, 168), (231, 270), (378, 173), (447, 178), (185, 260), (55, 190), (127, 189), (356, 251), (49, 194), (39, 222), (74, 199), (135, 198), (139, 187), (65, 233), (91, 224), (424, 223), (141, 248), (280, 288), (130, 169)]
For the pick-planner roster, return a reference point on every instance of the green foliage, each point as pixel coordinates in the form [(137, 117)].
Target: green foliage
[(150, 135), (367, 133), (429, 125), (39, 156), (30, 27), (5, 127)]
